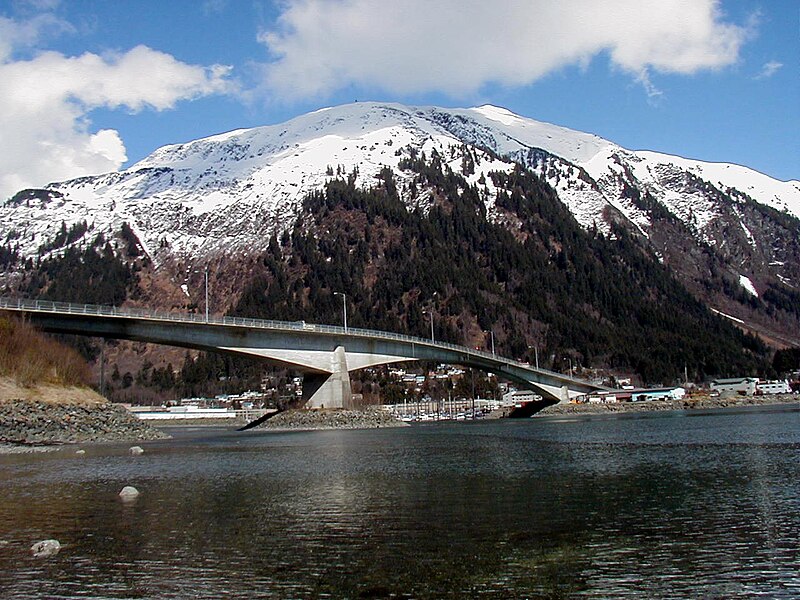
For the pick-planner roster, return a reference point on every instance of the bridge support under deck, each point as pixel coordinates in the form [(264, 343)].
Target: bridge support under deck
[(329, 390)]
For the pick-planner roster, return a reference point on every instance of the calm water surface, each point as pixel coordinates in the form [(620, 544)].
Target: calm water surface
[(667, 505)]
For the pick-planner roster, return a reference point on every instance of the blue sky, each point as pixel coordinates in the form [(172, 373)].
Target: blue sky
[(92, 86)]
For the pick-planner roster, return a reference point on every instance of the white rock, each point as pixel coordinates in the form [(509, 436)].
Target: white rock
[(136, 450), (129, 493), (80, 451), (45, 548)]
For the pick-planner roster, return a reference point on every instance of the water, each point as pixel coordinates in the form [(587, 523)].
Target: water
[(660, 505)]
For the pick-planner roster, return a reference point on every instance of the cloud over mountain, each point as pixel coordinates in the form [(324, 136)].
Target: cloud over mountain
[(457, 47), (48, 97)]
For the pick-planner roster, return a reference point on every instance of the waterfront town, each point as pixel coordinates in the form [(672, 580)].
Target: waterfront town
[(443, 394)]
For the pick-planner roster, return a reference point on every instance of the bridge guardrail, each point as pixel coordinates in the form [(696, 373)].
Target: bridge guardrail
[(113, 311)]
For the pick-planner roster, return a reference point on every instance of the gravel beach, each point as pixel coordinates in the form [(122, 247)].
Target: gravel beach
[(656, 405), (34, 424), (366, 418)]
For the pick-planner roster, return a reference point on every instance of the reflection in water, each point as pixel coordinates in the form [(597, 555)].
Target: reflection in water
[(656, 506)]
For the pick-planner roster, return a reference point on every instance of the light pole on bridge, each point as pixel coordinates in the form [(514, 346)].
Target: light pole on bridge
[(206, 279), (344, 307), (536, 354), (430, 314)]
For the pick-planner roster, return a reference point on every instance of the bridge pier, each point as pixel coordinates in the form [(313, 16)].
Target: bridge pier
[(329, 390)]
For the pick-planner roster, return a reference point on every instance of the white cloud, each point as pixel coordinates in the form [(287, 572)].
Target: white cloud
[(16, 35), (458, 46), (46, 101), (769, 69)]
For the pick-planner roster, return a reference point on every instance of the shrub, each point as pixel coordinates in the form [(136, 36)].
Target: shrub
[(32, 358)]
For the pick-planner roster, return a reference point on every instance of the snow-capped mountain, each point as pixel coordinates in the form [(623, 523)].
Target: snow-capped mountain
[(227, 193)]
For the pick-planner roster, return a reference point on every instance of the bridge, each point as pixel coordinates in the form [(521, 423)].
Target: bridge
[(325, 354)]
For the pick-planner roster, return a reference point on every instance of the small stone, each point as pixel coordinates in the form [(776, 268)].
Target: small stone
[(136, 450), (129, 493), (80, 451), (45, 548)]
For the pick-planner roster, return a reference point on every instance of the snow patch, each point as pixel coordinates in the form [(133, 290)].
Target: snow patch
[(748, 285), (730, 317)]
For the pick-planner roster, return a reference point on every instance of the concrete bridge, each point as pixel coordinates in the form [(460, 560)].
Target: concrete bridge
[(325, 354)]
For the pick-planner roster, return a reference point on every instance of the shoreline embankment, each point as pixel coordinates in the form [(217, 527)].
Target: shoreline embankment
[(36, 424), (699, 403), (370, 417)]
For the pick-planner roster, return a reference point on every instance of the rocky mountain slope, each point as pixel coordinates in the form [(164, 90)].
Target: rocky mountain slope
[(729, 234)]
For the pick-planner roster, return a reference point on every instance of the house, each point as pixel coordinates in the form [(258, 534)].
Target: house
[(738, 385)]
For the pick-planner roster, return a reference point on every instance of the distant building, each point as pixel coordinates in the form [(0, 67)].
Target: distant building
[(669, 393), (735, 385), (519, 396), (630, 394), (601, 397), (773, 387)]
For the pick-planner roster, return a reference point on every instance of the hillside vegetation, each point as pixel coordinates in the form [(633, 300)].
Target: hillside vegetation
[(533, 277), (30, 359)]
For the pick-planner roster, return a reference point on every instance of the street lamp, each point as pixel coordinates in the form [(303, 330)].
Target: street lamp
[(491, 333), (206, 275), (536, 354), (430, 314), (569, 358), (344, 307)]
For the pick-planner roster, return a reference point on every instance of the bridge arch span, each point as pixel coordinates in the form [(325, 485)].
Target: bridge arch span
[(324, 353)]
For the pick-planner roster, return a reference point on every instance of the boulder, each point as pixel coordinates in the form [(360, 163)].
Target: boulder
[(129, 493), (136, 450), (45, 548)]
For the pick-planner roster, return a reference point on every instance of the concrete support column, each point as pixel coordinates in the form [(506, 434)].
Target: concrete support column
[(564, 397), (329, 390)]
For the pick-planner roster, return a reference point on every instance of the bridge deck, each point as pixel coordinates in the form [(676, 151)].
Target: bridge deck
[(307, 345)]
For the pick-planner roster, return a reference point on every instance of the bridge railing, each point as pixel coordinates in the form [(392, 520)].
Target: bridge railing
[(113, 311)]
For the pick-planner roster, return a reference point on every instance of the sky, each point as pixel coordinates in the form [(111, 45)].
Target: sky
[(93, 86)]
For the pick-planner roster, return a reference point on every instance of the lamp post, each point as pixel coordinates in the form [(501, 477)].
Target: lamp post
[(491, 333), (536, 354), (206, 277), (569, 358), (430, 314), (344, 307)]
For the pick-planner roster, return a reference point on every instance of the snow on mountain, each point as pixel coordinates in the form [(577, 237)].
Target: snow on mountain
[(230, 191)]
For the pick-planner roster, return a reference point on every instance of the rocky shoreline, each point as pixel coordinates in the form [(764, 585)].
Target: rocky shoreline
[(32, 426), (659, 405), (37, 424), (366, 418)]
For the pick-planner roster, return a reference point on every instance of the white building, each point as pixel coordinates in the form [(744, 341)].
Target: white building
[(736, 385), (515, 397), (671, 393), (601, 397), (773, 387)]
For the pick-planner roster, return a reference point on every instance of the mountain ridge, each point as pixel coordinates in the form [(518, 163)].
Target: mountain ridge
[(226, 194)]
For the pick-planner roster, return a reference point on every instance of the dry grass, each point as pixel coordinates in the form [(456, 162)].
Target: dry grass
[(48, 393), (31, 359)]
